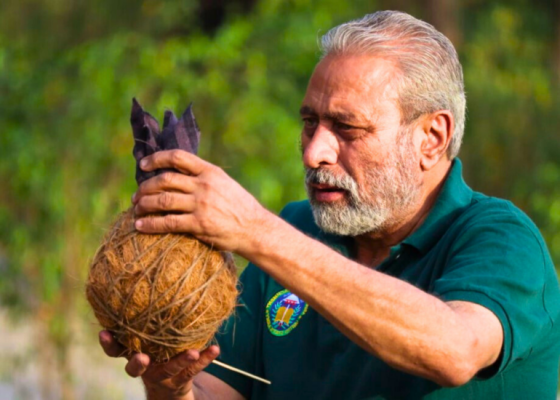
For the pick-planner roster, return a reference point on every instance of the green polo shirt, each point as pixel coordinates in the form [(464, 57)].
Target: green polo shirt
[(471, 247)]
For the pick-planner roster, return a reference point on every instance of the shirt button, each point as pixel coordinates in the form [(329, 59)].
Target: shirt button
[(397, 257)]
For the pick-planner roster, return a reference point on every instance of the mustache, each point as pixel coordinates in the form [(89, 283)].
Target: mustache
[(320, 176)]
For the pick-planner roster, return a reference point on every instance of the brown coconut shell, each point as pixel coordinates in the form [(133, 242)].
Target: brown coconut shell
[(160, 294)]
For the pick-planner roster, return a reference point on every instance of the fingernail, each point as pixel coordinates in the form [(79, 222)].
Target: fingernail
[(133, 198), (138, 224), (143, 164), (191, 356)]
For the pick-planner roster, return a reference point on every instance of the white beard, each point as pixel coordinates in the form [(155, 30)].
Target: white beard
[(389, 190)]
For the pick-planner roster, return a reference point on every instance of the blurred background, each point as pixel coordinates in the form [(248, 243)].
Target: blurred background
[(68, 71)]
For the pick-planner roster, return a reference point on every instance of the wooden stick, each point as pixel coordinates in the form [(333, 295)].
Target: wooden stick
[(221, 364)]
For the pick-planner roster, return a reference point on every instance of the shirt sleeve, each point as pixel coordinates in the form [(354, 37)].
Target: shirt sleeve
[(239, 337), (500, 262)]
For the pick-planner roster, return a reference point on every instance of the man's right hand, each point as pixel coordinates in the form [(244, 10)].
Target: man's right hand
[(172, 379)]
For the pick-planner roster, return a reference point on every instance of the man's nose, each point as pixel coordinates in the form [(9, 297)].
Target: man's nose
[(320, 149)]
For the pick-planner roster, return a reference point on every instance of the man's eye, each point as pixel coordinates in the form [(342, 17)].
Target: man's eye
[(309, 122), (343, 127)]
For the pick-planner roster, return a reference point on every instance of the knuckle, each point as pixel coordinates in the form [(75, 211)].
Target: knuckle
[(171, 223), (167, 178), (205, 225), (202, 202), (204, 185), (176, 156), (215, 169), (154, 159), (165, 200)]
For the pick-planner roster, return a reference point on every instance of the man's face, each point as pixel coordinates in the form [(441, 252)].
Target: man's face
[(362, 169)]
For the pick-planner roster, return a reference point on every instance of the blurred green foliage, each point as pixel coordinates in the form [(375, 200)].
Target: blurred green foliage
[(68, 71), (512, 144)]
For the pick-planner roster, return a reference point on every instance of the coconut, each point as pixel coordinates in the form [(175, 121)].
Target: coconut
[(160, 294)]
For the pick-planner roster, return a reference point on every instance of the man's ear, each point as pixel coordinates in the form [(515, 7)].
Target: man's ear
[(437, 130)]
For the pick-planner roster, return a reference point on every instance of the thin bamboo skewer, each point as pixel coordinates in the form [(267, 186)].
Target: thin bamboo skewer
[(221, 364)]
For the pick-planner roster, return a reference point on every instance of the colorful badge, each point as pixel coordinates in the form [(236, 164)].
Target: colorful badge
[(283, 312)]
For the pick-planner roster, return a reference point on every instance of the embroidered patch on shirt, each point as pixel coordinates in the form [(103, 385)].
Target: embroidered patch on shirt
[(283, 312)]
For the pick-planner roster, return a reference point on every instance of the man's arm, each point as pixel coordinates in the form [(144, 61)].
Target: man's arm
[(411, 330), (181, 378)]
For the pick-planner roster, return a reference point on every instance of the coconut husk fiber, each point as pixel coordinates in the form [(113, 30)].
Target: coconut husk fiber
[(160, 294)]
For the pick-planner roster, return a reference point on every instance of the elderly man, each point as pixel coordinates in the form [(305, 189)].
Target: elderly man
[(395, 280)]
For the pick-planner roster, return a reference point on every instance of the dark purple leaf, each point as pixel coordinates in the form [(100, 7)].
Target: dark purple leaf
[(180, 134)]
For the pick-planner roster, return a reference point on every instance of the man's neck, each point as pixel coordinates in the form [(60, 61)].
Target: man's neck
[(372, 248)]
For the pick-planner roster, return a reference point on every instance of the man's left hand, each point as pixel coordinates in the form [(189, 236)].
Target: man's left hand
[(200, 199)]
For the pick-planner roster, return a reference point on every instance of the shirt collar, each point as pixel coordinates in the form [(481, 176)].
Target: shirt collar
[(452, 200)]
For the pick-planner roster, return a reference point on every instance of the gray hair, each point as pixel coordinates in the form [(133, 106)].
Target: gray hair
[(431, 78)]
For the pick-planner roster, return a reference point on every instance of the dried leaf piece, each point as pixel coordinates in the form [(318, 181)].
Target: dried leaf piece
[(182, 134)]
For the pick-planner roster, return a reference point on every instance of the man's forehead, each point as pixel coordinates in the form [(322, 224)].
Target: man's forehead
[(350, 87), (358, 69)]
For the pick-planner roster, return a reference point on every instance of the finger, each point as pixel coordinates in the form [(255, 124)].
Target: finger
[(186, 365), (137, 365), (208, 355), (167, 182), (111, 347), (204, 359), (166, 201), (175, 365), (172, 223), (179, 159)]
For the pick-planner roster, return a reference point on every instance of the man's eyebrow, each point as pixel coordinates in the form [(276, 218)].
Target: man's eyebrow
[(306, 110), (333, 115), (343, 116)]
